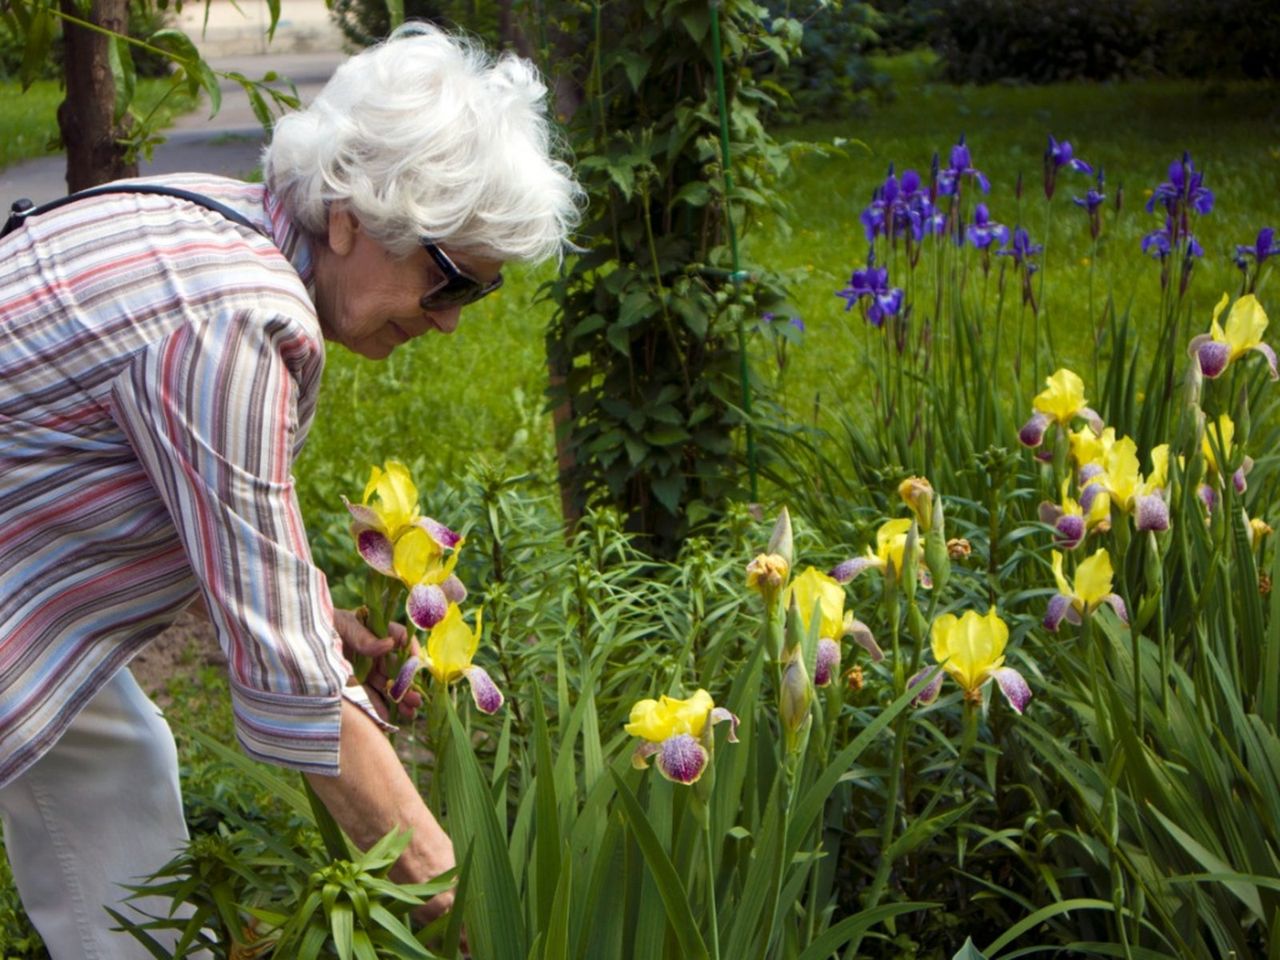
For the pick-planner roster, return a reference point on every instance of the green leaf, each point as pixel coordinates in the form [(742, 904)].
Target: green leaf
[(968, 951), (395, 12), (473, 820), (835, 937), (123, 74), (669, 490), (1039, 917), (636, 66), (342, 923), (672, 890), (546, 834), (667, 436), (39, 43)]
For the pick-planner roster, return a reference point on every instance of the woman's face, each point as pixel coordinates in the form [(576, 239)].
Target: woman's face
[(369, 299)]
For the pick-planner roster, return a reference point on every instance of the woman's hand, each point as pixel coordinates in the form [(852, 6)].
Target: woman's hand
[(359, 641)]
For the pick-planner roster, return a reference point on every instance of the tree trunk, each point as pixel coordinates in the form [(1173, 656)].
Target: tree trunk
[(86, 117)]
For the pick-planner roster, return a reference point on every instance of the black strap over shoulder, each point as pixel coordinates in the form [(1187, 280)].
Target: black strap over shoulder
[(22, 209)]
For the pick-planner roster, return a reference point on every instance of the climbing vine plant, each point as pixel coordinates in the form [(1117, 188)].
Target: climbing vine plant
[(644, 345)]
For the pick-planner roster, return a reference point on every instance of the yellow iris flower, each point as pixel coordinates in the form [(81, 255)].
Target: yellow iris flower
[(1091, 589), (451, 646), (1219, 348), (677, 731), (970, 649)]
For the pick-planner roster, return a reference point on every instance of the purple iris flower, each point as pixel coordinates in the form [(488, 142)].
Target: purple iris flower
[(984, 231), (1022, 250), (791, 321), (898, 208), (961, 166), (1092, 203), (1159, 243), (1260, 251), (1056, 156), (1184, 189), (872, 284)]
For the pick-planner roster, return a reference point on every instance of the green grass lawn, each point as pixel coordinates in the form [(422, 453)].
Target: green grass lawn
[(29, 124)]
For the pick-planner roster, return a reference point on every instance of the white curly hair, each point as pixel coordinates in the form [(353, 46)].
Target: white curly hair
[(426, 135)]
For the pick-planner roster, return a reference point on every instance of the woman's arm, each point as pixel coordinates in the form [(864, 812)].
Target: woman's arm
[(373, 793)]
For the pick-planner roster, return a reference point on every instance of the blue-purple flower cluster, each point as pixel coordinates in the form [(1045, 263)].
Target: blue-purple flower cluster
[(872, 286)]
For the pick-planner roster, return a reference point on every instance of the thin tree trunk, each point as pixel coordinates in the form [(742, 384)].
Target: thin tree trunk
[(86, 117)]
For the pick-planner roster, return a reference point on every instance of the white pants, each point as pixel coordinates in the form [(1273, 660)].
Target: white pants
[(100, 809)]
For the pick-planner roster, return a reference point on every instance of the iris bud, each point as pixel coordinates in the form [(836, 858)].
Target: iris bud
[(780, 543), (917, 494), (796, 694)]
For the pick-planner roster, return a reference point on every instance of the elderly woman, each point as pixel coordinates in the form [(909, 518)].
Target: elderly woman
[(159, 362)]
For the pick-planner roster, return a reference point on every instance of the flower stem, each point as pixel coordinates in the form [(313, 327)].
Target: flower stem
[(711, 888)]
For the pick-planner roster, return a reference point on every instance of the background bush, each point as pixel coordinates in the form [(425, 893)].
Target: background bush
[(982, 41), (144, 20)]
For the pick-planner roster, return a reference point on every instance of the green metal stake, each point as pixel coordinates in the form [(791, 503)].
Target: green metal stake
[(737, 276)]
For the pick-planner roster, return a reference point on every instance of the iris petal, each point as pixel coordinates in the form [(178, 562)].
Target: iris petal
[(926, 692), (862, 636), (426, 606), (828, 662), (1116, 603), (720, 713), (484, 691), (1151, 513), (1013, 687), (1266, 351), (846, 571), (397, 688), (454, 590), (377, 551), (1059, 605), (682, 758), (1212, 355), (1032, 432), (1070, 531), (440, 533)]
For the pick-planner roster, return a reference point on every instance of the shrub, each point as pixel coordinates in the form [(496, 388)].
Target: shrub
[(1041, 41)]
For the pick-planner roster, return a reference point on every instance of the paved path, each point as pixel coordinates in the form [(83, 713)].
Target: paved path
[(230, 142)]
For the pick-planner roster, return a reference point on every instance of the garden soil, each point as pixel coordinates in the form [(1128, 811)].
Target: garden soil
[(185, 647)]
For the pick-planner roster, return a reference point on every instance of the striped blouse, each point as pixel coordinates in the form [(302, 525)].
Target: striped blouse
[(158, 372)]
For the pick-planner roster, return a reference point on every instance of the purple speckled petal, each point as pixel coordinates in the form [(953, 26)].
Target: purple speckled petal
[(1151, 513), (439, 532), (1238, 478), (397, 688), (1093, 419), (862, 636), (1088, 472), (1070, 531), (846, 571), (376, 550), (1212, 354), (365, 517), (1032, 432), (682, 758), (1049, 512), (1090, 493), (1266, 351), (1208, 496), (1059, 607), (484, 691), (828, 663), (1116, 603), (927, 692), (454, 590), (640, 759), (720, 713), (1013, 687), (426, 606)]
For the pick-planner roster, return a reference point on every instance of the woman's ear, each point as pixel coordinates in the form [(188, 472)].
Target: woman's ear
[(343, 227)]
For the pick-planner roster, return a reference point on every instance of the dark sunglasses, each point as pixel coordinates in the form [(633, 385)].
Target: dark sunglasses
[(457, 289)]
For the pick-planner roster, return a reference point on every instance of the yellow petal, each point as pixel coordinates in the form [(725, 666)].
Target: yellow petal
[(1093, 579), (1059, 576), (976, 647), (814, 586), (1223, 432), (416, 556), (1245, 325), (1215, 329), (451, 645), (943, 628), (1063, 396), (658, 720), (891, 540), (1159, 476), (1122, 472)]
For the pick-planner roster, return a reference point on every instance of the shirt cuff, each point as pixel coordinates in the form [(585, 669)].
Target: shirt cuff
[(296, 731)]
